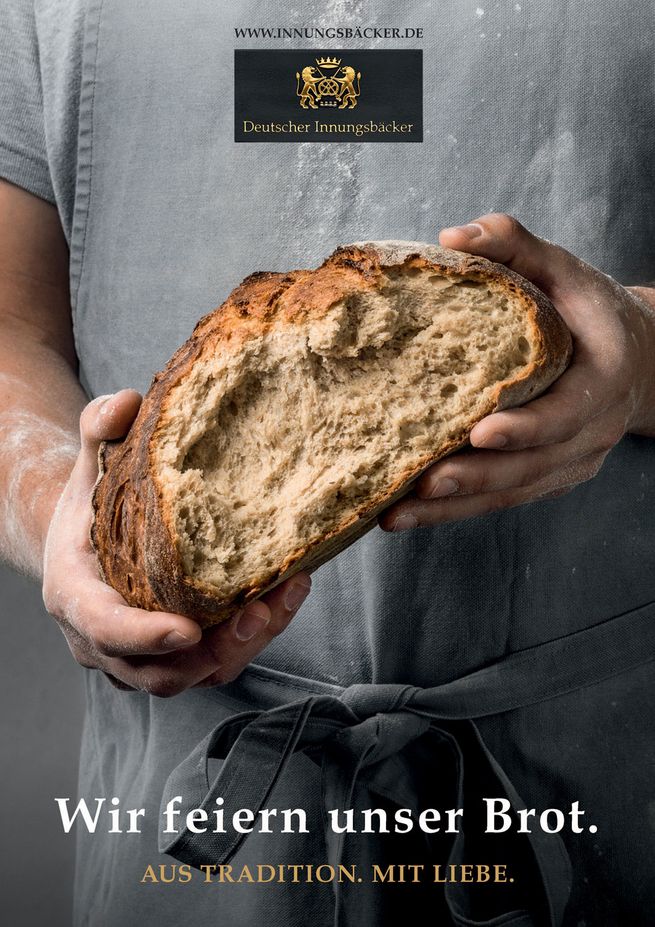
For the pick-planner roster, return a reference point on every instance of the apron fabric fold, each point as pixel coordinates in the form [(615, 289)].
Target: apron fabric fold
[(359, 735)]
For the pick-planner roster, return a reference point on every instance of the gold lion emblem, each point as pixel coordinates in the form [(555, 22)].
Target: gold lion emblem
[(328, 84)]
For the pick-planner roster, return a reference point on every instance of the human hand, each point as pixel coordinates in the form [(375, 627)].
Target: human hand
[(548, 446), (157, 652)]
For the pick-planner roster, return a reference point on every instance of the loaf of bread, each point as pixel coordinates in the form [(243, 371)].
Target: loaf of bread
[(303, 406)]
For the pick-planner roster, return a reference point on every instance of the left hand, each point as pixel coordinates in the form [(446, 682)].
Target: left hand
[(158, 652), (550, 445)]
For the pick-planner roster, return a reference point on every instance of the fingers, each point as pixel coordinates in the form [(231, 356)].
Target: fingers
[(502, 238), (284, 600), (476, 482), (217, 658), (237, 643), (482, 471), (117, 684), (109, 417), (557, 416), (100, 616), (116, 629), (414, 513), (104, 419)]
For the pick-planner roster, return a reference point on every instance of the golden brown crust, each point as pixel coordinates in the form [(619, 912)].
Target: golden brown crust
[(133, 533)]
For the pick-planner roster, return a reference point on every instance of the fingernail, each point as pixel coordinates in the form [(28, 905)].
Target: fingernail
[(104, 404), (296, 595), (250, 623), (472, 230), (445, 486), (404, 523), (495, 441), (176, 640)]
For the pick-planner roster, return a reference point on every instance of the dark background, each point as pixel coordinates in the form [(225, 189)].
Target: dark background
[(391, 88), (40, 728)]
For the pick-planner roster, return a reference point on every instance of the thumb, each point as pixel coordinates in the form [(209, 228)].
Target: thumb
[(105, 419), (503, 239)]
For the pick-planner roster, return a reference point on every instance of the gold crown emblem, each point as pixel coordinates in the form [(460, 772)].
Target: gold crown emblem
[(328, 88)]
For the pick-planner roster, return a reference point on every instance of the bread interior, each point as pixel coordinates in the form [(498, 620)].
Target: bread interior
[(268, 448)]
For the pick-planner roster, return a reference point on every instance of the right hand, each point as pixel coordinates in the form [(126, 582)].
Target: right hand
[(158, 652)]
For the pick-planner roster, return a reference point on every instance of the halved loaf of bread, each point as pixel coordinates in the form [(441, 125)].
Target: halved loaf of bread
[(301, 408)]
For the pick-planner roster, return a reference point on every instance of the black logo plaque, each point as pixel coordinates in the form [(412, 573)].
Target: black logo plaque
[(342, 95)]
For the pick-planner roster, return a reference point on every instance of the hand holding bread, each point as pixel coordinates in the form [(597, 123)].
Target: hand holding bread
[(542, 448), (301, 408), (552, 444), (159, 652)]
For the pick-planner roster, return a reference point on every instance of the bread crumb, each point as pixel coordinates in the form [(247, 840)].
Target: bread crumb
[(272, 447)]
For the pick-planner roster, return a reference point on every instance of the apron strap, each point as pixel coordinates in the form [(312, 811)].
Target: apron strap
[(546, 671)]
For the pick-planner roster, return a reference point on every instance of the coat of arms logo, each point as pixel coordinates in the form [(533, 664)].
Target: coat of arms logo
[(328, 84)]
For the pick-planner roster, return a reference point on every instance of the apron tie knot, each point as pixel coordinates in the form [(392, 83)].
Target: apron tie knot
[(360, 742), (405, 744), (368, 700)]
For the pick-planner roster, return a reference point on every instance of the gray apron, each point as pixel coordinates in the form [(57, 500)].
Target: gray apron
[(508, 655), (413, 747)]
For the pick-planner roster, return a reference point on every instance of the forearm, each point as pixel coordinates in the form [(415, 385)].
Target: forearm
[(39, 438)]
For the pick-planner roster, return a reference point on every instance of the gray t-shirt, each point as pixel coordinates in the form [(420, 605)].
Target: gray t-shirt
[(121, 115)]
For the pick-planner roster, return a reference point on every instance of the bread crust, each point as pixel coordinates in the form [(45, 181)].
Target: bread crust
[(132, 531)]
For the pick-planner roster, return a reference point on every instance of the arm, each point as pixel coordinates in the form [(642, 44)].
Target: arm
[(48, 465), (41, 397), (560, 439)]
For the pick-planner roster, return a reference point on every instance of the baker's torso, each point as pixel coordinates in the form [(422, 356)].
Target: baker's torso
[(543, 112)]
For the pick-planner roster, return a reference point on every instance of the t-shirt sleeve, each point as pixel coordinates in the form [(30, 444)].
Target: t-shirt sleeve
[(23, 155)]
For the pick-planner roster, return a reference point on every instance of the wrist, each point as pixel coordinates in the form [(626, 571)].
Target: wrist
[(45, 513)]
